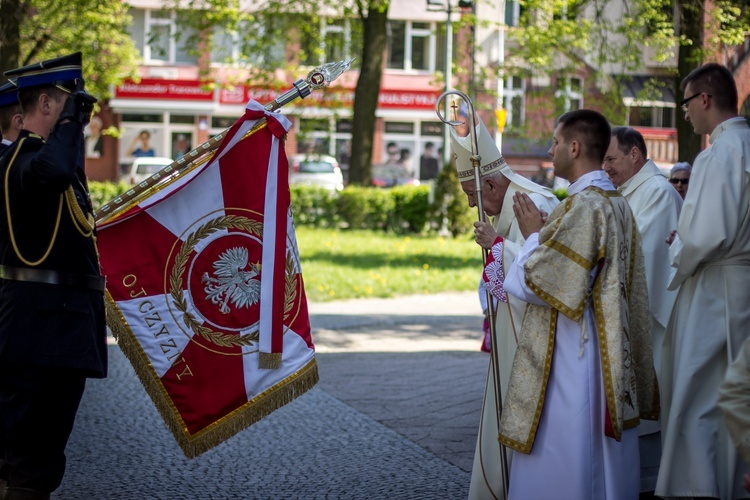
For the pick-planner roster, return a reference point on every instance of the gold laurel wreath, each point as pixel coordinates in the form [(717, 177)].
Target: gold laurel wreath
[(178, 271)]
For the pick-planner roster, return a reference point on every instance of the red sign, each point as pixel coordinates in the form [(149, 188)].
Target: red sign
[(188, 90), (411, 99), (334, 97), (239, 94)]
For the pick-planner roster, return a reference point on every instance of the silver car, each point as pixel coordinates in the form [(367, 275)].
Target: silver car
[(316, 170)]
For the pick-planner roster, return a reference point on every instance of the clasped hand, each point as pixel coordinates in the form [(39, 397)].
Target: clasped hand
[(530, 218)]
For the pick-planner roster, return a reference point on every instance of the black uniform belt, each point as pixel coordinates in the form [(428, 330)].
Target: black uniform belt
[(52, 277)]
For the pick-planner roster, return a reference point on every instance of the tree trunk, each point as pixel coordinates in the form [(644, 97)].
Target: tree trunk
[(10, 22), (366, 94), (691, 25)]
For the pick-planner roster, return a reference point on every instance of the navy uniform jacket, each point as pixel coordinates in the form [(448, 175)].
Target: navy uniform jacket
[(45, 324)]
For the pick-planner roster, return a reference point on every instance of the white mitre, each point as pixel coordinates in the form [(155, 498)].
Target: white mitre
[(491, 159)]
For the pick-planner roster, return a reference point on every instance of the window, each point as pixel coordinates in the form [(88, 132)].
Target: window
[(156, 35), (399, 127), (331, 42), (313, 136), (336, 38), (185, 119), (651, 116), (570, 93), (233, 48), (434, 129), (222, 121), (412, 46), (513, 102), (512, 12), (137, 117)]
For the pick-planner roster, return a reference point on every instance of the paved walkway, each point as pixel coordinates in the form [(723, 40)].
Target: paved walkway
[(394, 416)]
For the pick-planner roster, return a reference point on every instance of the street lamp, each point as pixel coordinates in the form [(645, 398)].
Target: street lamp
[(447, 6)]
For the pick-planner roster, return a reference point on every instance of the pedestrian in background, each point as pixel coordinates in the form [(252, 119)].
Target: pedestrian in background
[(679, 177), (52, 324)]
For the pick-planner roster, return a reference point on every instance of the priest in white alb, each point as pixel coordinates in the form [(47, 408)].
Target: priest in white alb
[(656, 206), (711, 316)]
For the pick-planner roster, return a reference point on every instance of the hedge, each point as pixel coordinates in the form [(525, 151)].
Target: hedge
[(402, 209)]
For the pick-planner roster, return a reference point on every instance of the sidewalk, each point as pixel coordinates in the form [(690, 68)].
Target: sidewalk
[(395, 416)]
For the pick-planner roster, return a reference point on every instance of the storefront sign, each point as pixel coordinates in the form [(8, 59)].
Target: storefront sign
[(239, 94), (334, 97), (190, 90)]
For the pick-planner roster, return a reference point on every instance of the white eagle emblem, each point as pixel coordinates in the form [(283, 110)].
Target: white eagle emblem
[(233, 283)]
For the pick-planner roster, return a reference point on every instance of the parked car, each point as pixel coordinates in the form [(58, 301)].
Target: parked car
[(316, 170), (144, 167), (389, 175)]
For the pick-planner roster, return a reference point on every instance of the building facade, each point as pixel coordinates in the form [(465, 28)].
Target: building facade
[(182, 98)]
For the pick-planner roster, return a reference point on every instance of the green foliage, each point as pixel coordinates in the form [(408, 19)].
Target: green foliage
[(561, 193), (104, 192), (365, 207), (450, 206), (411, 208), (313, 206), (402, 209), (97, 28)]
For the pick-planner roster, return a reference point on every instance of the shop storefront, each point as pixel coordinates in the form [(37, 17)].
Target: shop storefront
[(169, 117)]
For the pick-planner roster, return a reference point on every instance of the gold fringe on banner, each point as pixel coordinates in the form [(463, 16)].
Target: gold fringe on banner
[(243, 417), (269, 360)]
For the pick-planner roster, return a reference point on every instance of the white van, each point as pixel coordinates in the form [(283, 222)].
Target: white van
[(144, 167)]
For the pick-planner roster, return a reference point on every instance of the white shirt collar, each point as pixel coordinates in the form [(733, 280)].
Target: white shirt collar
[(726, 124), (597, 178)]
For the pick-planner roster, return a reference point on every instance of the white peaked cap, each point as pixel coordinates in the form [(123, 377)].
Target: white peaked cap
[(491, 159)]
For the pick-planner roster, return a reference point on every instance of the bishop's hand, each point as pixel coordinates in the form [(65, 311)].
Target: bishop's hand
[(530, 218), (484, 234)]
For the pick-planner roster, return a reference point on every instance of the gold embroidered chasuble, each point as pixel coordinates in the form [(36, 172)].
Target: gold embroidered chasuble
[(592, 233)]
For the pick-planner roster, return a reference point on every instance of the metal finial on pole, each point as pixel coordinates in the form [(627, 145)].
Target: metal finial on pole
[(318, 78), (476, 165)]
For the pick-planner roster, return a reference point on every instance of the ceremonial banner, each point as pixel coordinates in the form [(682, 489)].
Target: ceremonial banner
[(205, 293)]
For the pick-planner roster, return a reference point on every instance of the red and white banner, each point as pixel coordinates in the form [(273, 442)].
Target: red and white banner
[(205, 292)]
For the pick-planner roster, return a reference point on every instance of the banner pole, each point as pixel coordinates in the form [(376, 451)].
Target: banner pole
[(318, 78), (495, 357)]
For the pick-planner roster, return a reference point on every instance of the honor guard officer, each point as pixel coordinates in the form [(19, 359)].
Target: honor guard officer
[(52, 325), (10, 115)]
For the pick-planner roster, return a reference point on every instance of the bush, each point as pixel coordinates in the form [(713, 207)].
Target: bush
[(103, 192), (450, 203), (402, 209), (411, 208), (313, 206), (360, 207)]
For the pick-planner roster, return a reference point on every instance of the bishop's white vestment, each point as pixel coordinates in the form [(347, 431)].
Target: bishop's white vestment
[(486, 478), (710, 320)]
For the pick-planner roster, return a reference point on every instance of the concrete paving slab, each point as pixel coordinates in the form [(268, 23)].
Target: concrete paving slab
[(395, 415)]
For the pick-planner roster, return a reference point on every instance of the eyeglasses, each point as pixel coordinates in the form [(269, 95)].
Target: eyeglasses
[(679, 181), (684, 102)]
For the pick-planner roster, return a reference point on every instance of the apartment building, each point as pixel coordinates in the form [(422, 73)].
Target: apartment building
[(174, 105)]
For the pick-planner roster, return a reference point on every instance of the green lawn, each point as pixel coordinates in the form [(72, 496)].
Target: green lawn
[(358, 264)]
